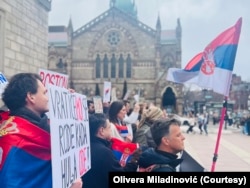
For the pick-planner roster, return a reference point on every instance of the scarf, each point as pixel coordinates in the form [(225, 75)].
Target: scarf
[(27, 114)]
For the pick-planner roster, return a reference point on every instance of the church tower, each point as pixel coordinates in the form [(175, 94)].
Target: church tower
[(126, 6)]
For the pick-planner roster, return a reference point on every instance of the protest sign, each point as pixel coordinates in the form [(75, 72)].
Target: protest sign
[(3, 83), (113, 94), (106, 91), (54, 78), (70, 140), (98, 104), (127, 95)]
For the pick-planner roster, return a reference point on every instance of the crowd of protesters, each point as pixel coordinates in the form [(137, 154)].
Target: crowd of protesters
[(156, 138)]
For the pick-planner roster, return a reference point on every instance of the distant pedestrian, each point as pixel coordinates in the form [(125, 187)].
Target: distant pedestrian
[(205, 122), (200, 122), (191, 122), (247, 126)]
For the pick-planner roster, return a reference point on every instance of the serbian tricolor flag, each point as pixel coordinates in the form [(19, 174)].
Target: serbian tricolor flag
[(123, 150), (122, 129), (25, 154), (212, 68)]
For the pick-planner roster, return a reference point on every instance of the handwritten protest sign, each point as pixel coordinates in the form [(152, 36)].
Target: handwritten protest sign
[(113, 94), (70, 140), (98, 104), (54, 78), (3, 83), (106, 91), (127, 95)]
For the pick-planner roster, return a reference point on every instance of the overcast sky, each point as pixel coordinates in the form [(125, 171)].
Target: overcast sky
[(201, 21)]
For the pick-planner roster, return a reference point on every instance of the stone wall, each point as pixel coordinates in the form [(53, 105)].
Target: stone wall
[(23, 36)]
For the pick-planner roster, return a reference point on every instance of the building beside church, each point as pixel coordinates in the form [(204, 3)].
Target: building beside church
[(116, 46), (23, 36)]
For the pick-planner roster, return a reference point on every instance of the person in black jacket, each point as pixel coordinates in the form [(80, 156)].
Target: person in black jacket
[(169, 142), (103, 160), (91, 106)]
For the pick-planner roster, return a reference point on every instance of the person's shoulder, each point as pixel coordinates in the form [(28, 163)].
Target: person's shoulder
[(100, 147), (163, 168)]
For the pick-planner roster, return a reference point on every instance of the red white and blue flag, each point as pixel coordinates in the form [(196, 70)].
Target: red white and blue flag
[(212, 68), (25, 154), (123, 150), (123, 130)]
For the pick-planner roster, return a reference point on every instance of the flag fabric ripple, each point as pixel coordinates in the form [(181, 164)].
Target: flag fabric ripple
[(212, 68), (123, 150), (25, 154)]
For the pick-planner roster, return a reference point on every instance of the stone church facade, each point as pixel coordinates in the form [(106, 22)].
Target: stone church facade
[(116, 47)]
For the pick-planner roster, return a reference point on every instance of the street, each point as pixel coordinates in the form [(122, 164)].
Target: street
[(233, 151)]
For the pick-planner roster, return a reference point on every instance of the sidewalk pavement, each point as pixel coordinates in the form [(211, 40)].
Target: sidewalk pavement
[(233, 148)]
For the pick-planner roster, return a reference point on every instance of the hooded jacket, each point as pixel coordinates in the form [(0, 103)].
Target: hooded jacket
[(103, 161), (165, 162)]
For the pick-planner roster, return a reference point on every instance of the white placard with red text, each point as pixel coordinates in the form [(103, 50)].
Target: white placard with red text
[(70, 139), (106, 91), (98, 104), (54, 78)]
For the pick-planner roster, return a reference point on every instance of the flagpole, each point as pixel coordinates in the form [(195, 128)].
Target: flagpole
[(223, 112)]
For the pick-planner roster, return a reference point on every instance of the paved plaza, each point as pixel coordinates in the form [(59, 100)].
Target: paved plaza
[(233, 150)]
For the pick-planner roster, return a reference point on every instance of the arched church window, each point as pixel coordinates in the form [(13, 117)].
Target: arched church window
[(98, 67), (121, 66), (113, 66), (105, 67), (128, 70)]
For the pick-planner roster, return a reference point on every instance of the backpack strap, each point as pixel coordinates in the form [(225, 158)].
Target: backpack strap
[(157, 166), (154, 167), (148, 169)]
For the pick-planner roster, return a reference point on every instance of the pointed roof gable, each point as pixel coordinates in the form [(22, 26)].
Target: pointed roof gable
[(114, 12)]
